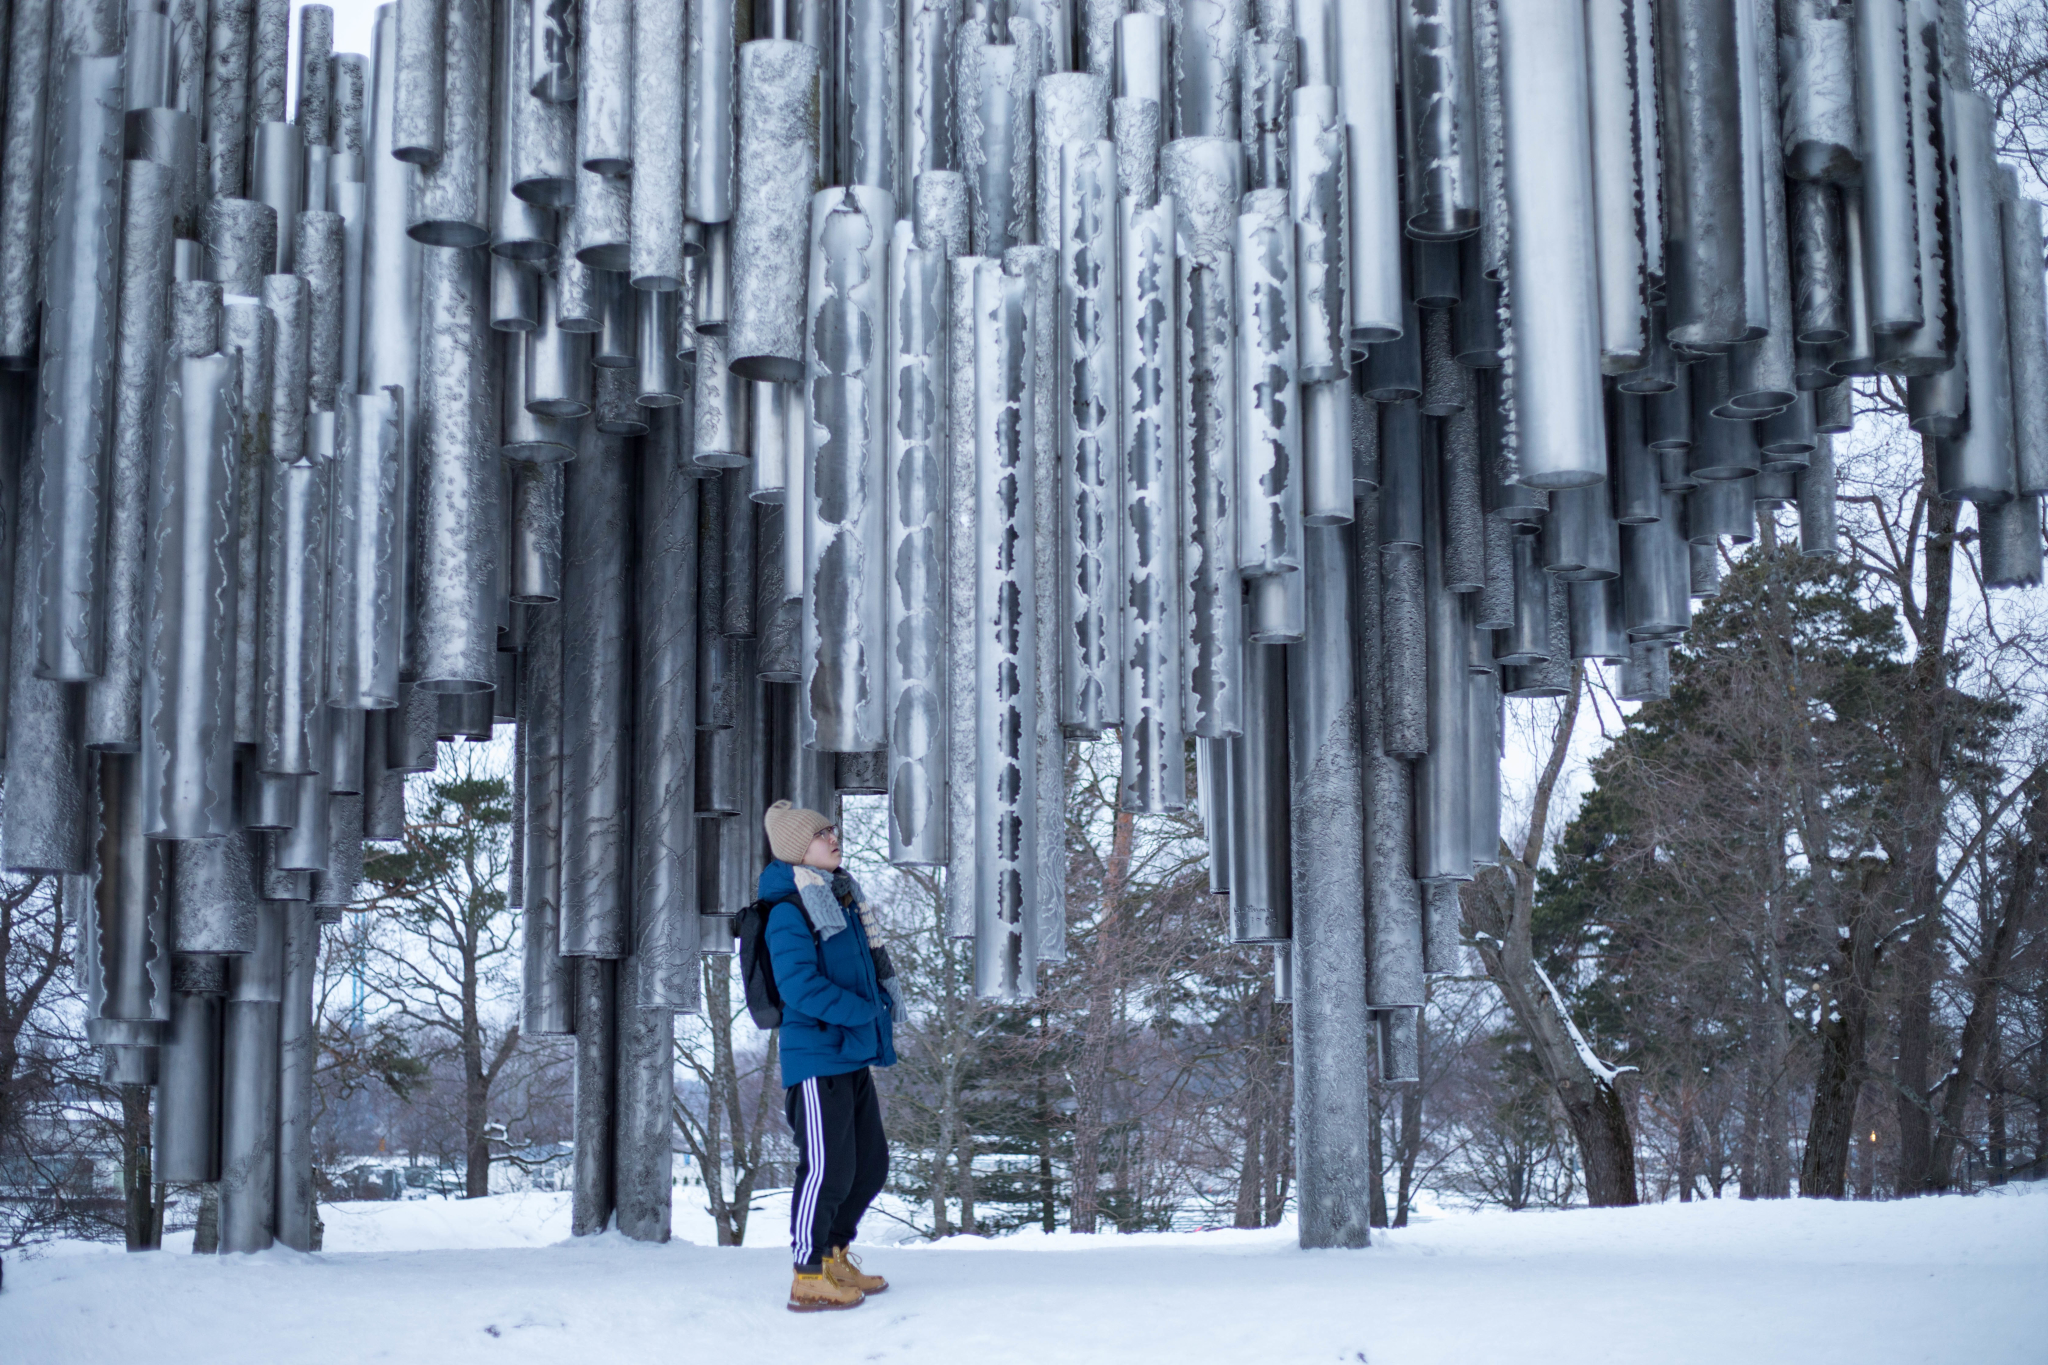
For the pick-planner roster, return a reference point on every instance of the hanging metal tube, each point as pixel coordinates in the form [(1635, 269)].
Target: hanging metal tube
[(847, 391), (188, 689), (456, 641), (1368, 43), (1558, 412), (1883, 111), (665, 845), (914, 690), (1005, 644), (1203, 177), (81, 277), (1704, 190), (1978, 465), (362, 650), (1091, 559), (777, 173)]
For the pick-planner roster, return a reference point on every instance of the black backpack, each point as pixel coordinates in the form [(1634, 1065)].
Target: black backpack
[(757, 972)]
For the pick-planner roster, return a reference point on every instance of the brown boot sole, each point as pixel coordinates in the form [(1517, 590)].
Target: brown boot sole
[(819, 1306)]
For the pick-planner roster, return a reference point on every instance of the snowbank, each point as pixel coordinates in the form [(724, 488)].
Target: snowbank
[(494, 1280)]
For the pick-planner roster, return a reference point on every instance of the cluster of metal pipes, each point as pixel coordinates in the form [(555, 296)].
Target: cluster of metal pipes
[(791, 398)]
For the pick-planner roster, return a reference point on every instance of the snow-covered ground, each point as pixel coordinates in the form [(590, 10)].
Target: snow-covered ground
[(449, 1283)]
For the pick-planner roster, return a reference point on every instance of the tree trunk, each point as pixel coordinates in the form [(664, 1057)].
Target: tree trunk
[(141, 1219), (1922, 811), (1981, 1023), (964, 1174), (1844, 1036), (1409, 1149), (1502, 906), (1097, 1024)]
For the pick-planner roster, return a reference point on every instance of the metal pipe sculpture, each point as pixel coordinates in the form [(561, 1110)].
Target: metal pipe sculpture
[(1445, 341)]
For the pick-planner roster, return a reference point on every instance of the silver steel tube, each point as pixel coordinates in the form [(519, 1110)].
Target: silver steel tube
[(362, 650), (846, 407), (520, 230), (777, 173), (1819, 136), (298, 1052), (545, 997), (275, 180), (113, 701), (2026, 322), (294, 624), (1616, 117), (1704, 189), (536, 565), (1207, 37), (1269, 503), (1134, 127), (188, 684), (555, 364), (541, 127), (1005, 733), (992, 85), (1482, 788), (456, 642), (963, 603), (1261, 876), (123, 960), (1329, 478), (1820, 294), (914, 581), (1443, 845), (1040, 266), (1979, 464), (523, 436), (1556, 393), (1931, 347), (709, 126), (247, 337), (657, 63), (515, 295), (604, 106), (1368, 43), (768, 408), (1069, 108), (1319, 203), (1203, 177), (1328, 865), (81, 277), (417, 132), (1437, 79), (929, 28), (185, 1136), (596, 733), (1597, 619), (1402, 648), (1265, 81), (1464, 510), (1091, 560), (866, 99), (603, 220), (596, 1010), (1154, 770), (2009, 540), (452, 196), (214, 907), (227, 64), (665, 846), (321, 262), (1891, 252), (21, 179)]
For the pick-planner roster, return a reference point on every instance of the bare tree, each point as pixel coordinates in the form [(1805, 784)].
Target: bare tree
[(1499, 908), (726, 1125), (444, 951)]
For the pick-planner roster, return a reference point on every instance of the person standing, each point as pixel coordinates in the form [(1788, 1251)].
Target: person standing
[(837, 1023)]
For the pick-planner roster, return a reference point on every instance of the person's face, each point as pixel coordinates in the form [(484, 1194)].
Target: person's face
[(824, 850)]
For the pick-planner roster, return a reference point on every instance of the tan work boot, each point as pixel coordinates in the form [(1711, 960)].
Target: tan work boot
[(821, 1293), (843, 1270)]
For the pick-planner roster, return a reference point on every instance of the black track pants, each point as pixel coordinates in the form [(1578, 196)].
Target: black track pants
[(842, 1161)]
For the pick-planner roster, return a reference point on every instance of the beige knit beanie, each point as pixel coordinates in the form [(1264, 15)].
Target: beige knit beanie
[(791, 829)]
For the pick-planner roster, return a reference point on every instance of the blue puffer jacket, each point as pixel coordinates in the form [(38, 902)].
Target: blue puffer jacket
[(835, 1014)]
